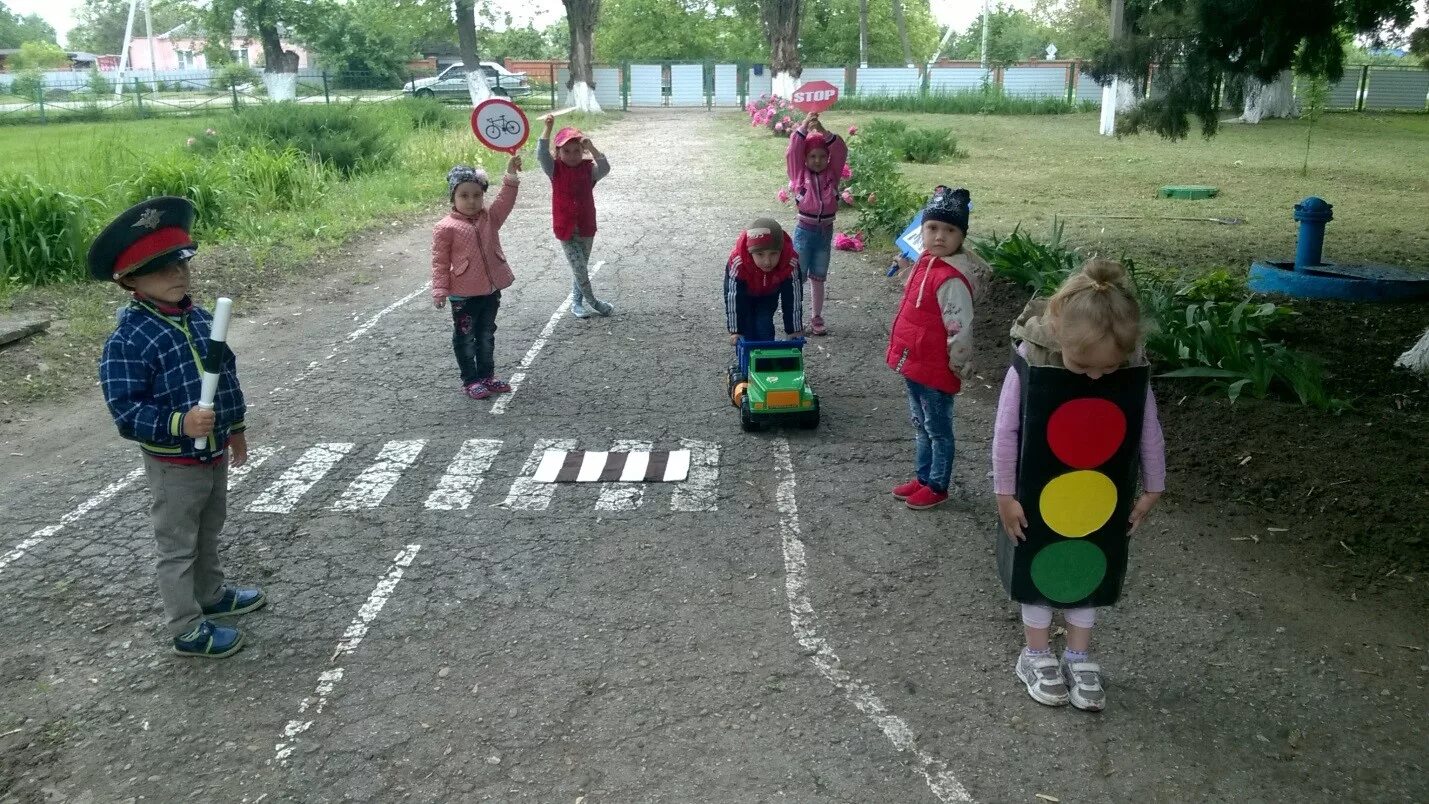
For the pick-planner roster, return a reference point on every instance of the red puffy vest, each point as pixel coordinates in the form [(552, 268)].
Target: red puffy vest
[(573, 200), (918, 346)]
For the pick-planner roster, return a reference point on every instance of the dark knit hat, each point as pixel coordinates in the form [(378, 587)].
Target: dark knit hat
[(461, 174), (765, 234), (143, 239), (949, 206)]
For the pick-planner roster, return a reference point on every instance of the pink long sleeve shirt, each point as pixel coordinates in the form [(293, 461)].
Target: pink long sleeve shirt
[(1009, 425)]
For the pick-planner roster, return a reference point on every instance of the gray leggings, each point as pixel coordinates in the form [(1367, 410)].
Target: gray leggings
[(578, 255)]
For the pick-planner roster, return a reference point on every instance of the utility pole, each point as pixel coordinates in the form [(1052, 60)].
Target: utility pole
[(986, 35), (149, 33), (124, 48)]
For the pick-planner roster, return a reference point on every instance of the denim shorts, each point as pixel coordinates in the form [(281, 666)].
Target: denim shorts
[(813, 246)]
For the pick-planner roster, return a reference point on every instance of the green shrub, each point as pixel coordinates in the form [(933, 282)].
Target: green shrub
[(883, 131), (425, 113), (991, 100), (99, 86), (927, 146), (347, 138), (269, 180), (876, 177), (28, 84), (236, 74), (181, 175), (1039, 267), (43, 233)]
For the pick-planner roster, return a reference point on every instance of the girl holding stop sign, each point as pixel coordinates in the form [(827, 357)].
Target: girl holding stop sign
[(816, 160)]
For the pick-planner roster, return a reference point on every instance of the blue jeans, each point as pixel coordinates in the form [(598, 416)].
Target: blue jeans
[(932, 412), (813, 247), (474, 336)]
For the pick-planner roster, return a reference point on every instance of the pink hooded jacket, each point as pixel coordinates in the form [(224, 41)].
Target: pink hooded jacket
[(816, 194), (467, 259)]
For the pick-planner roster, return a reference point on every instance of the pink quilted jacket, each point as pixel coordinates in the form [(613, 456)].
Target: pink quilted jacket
[(467, 259)]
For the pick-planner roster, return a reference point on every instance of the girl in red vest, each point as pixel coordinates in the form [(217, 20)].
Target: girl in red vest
[(931, 343), (573, 178)]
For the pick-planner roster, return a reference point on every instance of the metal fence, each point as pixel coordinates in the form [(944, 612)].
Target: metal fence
[(79, 96)]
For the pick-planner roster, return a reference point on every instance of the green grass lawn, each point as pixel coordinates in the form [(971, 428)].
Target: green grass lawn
[(1029, 170)]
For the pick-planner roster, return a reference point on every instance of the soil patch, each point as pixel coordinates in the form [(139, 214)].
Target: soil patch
[(1347, 492)]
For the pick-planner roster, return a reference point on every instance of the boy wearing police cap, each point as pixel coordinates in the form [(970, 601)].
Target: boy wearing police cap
[(151, 373)]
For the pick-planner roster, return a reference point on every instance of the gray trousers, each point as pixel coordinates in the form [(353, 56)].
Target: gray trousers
[(190, 503), (578, 255)]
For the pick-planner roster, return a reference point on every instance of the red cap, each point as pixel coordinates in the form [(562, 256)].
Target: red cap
[(567, 134)]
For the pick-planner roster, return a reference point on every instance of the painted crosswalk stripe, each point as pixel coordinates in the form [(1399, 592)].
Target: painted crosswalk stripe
[(256, 458), (376, 481), (586, 466), (284, 493), (463, 477), (626, 496), (528, 494), (701, 491)]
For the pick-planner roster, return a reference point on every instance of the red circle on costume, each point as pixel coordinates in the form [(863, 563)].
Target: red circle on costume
[(500, 125), (1084, 433)]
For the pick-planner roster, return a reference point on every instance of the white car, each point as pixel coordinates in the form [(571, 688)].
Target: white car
[(451, 82)]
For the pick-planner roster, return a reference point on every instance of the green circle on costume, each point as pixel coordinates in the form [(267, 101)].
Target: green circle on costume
[(1068, 571), (1078, 503)]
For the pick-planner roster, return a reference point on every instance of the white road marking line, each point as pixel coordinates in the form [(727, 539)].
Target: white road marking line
[(519, 376), (34, 539), (256, 458), (352, 336), (626, 496), (802, 618), (464, 477), (592, 464), (284, 493), (526, 493), (700, 492), (371, 487), (356, 631)]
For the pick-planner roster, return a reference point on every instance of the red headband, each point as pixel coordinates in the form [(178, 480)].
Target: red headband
[(762, 239), (150, 246)]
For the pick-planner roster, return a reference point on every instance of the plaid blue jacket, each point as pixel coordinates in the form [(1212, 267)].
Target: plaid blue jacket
[(152, 374)]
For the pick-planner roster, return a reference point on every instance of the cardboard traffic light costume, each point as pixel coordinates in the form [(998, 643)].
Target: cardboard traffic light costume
[(1078, 463)]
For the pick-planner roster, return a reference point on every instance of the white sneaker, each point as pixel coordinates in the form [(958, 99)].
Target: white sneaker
[(1043, 679), (1084, 679), (578, 309)]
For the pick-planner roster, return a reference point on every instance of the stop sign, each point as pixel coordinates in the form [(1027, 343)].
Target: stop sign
[(815, 96)]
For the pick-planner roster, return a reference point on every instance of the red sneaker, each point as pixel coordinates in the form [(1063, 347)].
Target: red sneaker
[(926, 498), (907, 490), (478, 390)]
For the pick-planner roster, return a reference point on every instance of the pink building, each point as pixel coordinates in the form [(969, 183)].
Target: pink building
[(181, 49)]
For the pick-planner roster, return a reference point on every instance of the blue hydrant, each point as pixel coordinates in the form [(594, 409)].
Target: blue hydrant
[(1312, 213)]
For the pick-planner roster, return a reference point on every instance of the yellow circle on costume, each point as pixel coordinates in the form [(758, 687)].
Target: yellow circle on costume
[(1078, 503)]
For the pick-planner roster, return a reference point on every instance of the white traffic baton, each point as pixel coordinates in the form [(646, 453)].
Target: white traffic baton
[(213, 363)]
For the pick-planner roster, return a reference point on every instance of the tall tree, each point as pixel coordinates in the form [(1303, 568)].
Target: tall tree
[(903, 33), (655, 30), (1013, 36), (270, 20), (476, 85), (581, 16), (1079, 28), (100, 23), (780, 19), (829, 33), (16, 30), (1193, 44)]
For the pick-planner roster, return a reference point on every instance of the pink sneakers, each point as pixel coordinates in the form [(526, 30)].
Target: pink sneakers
[(925, 498), (907, 490)]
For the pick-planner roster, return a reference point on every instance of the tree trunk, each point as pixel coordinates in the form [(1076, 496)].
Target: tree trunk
[(863, 33), (581, 17), (780, 19), (1276, 99), (280, 77), (1417, 358), (903, 32), (476, 85)]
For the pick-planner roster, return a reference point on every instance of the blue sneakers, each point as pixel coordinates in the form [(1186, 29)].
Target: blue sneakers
[(209, 641), (235, 601)]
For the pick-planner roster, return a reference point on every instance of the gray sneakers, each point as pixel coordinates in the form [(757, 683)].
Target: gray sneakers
[(1084, 679), (578, 309), (1043, 678), (603, 308)]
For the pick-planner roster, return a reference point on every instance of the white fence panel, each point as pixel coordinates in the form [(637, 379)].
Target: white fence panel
[(726, 85), (1035, 82), (889, 81), (1396, 89), (762, 84), (1088, 90), (687, 85), (607, 87), (1345, 93), (955, 79), (834, 75), (646, 85)]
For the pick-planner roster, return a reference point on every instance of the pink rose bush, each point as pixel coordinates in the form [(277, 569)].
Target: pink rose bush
[(844, 241)]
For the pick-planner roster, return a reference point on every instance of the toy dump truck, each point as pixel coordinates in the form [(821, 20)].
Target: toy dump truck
[(768, 387)]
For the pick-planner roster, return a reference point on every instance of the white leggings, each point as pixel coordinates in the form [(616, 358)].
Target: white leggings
[(1041, 616)]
